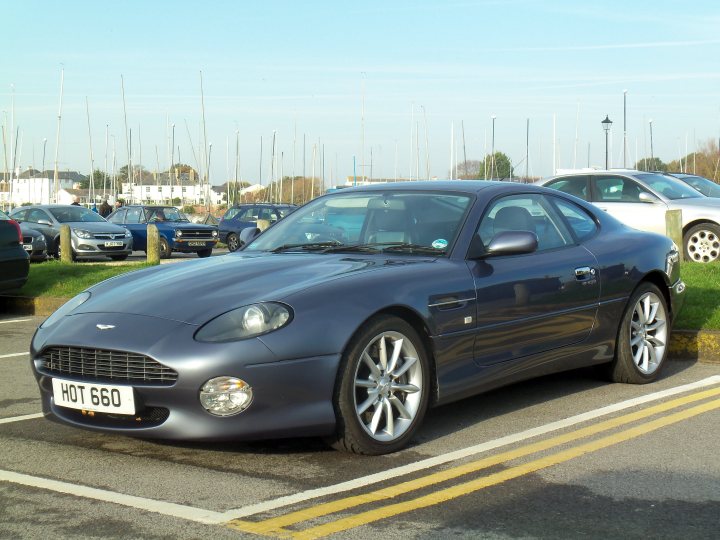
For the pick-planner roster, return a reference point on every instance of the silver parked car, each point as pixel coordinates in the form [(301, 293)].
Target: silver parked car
[(91, 234), (704, 185), (640, 199)]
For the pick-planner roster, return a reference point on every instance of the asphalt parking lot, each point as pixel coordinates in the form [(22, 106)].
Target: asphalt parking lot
[(564, 456)]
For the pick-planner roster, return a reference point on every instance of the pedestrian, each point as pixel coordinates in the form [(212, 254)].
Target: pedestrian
[(76, 201), (105, 209)]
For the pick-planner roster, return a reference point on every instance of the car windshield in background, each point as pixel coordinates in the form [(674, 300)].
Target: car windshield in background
[(4, 216), (703, 185), (669, 187), (402, 222), (71, 214), (167, 213)]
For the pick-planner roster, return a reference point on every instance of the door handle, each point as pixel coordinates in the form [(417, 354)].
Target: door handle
[(584, 272)]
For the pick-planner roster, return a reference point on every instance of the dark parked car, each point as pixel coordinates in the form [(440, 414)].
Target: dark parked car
[(446, 289), (34, 243), (704, 185), (14, 263), (176, 232), (91, 235), (243, 216)]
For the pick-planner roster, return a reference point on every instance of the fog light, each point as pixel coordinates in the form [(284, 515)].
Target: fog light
[(225, 396)]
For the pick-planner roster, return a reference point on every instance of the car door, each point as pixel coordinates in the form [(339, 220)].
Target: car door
[(620, 197), (135, 223), (534, 302)]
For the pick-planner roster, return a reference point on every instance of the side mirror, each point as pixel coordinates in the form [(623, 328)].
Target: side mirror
[(646, 197), (506, 243), (248, 234), (44, 222)]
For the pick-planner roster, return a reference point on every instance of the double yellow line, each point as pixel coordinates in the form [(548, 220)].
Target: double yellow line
[(277, 526)]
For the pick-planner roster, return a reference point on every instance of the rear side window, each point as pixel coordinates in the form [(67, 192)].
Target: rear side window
[(572, 185), (582, 225), (617, 189)]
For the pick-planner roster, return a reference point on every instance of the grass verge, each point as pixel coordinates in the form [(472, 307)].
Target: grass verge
[(57, 279), (702, 302)]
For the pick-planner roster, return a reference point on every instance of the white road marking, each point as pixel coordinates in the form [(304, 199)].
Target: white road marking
[(211, 517), (463, 453), (14, 354), (168, 509), (15, 321), (20, 418)]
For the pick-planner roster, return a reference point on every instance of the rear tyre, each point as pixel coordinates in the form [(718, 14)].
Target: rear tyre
[(204, 253), (642, 339), (233, 242), (382, 389), (702, 243), (164, 249)]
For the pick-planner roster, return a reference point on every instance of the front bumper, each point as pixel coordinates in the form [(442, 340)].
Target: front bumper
[(291, 397), (190, 245), (89, 247), (677, 298)]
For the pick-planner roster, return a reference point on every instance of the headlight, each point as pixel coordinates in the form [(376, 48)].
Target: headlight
[(178, 233), (82, 234), (225, 396), (214, 233), (66, 309), (245, 322), (128, 234)]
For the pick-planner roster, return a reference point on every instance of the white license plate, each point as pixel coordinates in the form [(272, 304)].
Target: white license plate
[(27, 247), (196, 244), (94, 397), (113, 244)]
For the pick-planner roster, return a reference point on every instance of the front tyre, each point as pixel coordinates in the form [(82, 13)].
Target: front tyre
[(204, 253), (165, 250), (233, 242), (382, 390), (642, 337)]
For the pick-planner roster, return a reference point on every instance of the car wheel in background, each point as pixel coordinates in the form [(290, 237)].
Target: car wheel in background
[(702, 243), (382, 389), (204, 253), (641, 345), (59, 252), (233, 242), (164, 249)]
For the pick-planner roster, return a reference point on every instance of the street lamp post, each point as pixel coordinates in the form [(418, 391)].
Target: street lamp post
[(624, 129), (606, 124), (492, 151), (652, 154)]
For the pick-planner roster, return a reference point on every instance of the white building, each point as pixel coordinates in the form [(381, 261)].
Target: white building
[(169, 191), (34, 187)]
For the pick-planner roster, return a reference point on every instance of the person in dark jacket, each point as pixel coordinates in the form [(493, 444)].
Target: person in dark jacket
[(76, 201), (105, 209)]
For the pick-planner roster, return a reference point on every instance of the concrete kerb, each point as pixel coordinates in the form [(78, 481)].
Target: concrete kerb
[(688, 345)]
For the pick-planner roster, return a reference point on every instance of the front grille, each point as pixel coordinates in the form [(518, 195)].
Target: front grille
[(104, 365), (109, 236), (27, 239), (147, 417), (197, 234)]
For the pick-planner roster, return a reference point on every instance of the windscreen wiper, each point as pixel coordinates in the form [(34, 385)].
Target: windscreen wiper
[(311, 246), (385, 246)]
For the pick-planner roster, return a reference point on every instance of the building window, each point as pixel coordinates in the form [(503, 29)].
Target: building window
[(147, 189)]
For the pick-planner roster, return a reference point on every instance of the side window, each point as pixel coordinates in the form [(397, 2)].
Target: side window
[(530, 212), (248, 214), (617, 189), (118, 217), (34, 216), (134, 215), (582, 225), (19, 215), (573, 185)]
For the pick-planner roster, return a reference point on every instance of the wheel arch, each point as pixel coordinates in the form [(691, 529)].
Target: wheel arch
[(700, 221), (661, 281)]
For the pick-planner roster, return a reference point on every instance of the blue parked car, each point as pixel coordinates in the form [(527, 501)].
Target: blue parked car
[(243, 216), (176, 232)]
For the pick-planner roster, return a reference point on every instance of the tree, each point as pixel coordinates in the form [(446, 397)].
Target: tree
[(469, 170), (651, 164), (498, 166)]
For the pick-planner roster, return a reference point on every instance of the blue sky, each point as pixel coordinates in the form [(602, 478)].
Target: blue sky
[(304, 67)]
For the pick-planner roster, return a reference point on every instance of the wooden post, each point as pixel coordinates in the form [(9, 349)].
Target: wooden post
[(153, 244), (66, 254), (673, 229)]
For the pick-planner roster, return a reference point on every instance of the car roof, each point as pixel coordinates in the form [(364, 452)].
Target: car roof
[(459, 186)]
